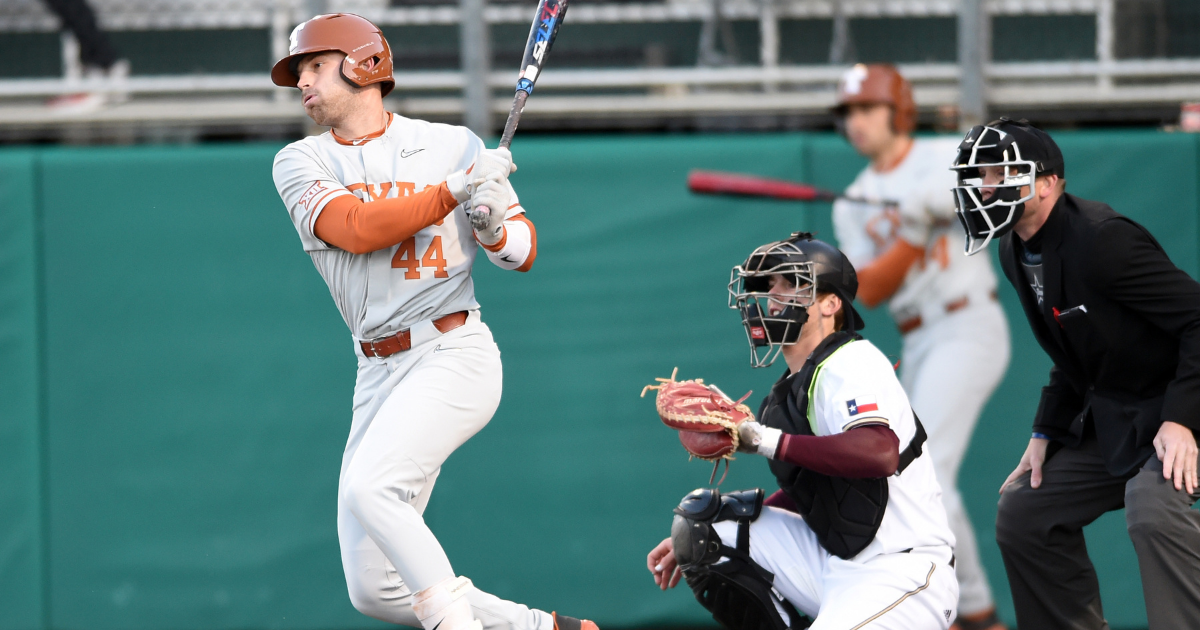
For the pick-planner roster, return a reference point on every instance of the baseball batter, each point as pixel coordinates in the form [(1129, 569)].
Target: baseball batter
[(906, 248), (856, 536), (381, 205)]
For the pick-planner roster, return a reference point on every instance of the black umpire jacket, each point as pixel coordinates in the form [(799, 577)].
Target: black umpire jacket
[(1132, 360)]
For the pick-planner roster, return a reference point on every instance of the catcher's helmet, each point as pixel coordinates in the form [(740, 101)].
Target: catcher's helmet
[(355, 36), (878, 83), (1024, 152), (812, 267)]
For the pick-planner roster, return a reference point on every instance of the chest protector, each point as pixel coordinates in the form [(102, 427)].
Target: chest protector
[(844, 513)]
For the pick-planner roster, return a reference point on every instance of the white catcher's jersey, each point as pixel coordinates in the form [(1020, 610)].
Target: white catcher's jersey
[(921, 183), (426, 276), (856, 386)]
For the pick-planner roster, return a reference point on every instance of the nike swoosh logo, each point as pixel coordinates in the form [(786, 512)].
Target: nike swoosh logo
[(505, 258), (439, 348), (405, 154)]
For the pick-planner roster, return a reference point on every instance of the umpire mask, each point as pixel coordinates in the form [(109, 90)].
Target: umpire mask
[(989, 210), (773, 317)]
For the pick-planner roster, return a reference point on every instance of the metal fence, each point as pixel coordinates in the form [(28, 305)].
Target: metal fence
[(1141, 54)]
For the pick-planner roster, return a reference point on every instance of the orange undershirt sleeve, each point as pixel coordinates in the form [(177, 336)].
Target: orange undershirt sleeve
[(528, 264), (359, 226), (880, 279)]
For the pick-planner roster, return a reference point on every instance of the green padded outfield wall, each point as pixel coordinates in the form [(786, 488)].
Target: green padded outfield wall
[(178, 380), (21, 551)]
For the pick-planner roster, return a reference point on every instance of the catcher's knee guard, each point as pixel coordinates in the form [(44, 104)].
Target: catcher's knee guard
[(738, 592)]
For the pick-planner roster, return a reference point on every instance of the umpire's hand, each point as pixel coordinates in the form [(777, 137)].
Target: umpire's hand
[(1176, 447), (1031, 462)]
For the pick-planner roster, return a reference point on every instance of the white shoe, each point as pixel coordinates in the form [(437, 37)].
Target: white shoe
[(85, 102), (79, 103)]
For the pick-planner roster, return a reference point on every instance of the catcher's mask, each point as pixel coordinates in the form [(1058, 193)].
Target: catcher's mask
[(989, 211), (773, 318)]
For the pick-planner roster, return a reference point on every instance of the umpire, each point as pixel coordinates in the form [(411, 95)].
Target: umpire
[(1114, 427)]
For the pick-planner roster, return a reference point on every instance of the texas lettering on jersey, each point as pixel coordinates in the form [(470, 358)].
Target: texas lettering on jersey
[(426, 275), (382, 190)]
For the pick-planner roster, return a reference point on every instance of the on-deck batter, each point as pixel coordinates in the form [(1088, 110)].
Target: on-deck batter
[(956, 341), (381, 205)]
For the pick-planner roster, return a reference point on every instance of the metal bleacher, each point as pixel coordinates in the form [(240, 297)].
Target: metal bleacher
[(756, 83)]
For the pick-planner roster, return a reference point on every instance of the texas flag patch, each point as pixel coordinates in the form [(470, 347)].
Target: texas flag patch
[(861, 405)]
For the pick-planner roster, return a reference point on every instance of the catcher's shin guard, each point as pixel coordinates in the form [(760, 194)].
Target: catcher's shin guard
[(738, 592), (444, 606)]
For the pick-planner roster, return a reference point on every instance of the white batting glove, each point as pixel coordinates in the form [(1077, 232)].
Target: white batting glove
[(489, 203), (494, 161), (758, 439)]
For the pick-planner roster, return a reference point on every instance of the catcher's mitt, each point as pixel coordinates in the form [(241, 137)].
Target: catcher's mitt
[(705, 417)]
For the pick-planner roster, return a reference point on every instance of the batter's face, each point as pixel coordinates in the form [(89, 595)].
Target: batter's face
[(869, 128), (328, 99)]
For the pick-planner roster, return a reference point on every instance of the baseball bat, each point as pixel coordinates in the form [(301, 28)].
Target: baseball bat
[(546, 22), (741, 185)]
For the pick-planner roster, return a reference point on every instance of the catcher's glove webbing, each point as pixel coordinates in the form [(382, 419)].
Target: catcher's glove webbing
[(705, 417)]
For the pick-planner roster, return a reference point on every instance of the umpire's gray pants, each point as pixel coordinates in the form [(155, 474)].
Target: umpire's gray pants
[(1040, 532)]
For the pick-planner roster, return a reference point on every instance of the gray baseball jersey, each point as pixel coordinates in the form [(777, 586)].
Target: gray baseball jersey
[(425, 276)]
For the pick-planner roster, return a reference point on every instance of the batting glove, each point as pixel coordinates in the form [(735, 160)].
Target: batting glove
[(494, 162), (489, 203)]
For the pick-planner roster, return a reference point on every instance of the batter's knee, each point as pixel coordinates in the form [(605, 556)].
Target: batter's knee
[(365, 488), (364, 599), (373, 596)]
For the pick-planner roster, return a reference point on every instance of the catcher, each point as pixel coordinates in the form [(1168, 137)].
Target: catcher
[(856, 536)]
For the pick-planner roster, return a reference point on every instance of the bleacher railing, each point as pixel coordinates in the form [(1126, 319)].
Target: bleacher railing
[(587, 92)]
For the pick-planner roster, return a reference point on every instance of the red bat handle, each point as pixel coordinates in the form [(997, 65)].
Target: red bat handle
[(717, 183)]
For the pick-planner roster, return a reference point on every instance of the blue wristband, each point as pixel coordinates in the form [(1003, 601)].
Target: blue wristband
[(1041, 436)]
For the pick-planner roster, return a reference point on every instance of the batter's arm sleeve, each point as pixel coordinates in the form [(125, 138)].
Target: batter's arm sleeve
[(306, 187), (880, 279), (865, 452), (360, 226), (1131, 268), (517, 247)]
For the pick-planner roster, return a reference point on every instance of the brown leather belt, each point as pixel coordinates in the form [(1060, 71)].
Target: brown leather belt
[(914, 323), (401, 341)]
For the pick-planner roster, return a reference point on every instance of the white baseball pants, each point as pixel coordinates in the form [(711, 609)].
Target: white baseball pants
[(896, 591), (411, 411), (949, 369)]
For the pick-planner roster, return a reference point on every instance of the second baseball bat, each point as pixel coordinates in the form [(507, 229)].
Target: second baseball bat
[(741, 185)]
